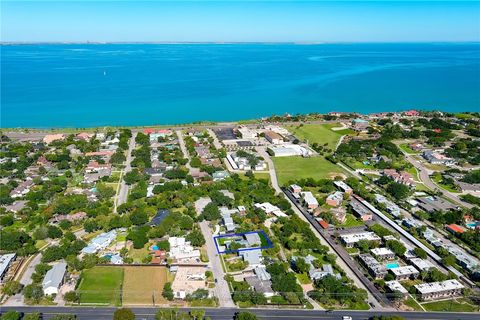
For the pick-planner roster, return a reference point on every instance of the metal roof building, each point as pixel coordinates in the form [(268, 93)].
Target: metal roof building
[(54, 278)]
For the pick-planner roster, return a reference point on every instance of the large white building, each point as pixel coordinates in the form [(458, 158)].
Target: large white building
[(268, 208), (422, 264), (273, 137), (181, 249), (439, 290), (395, 286), (404, 272), (350, 239), (288, 150)]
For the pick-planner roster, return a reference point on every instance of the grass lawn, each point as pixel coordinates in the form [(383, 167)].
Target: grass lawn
[(358, 164), (352, 250), (101, 285), (456, 305), (258, 175), (407, 149), (351, 221), (141, 284), (421, 187), (437, 180), (294, 168), (303, 278), (121, 237), (40, 243), (413, 304), (113, 185), (90, 236), (262, 175), (413, 172), (319, 133), (139, 254), (353, 306)]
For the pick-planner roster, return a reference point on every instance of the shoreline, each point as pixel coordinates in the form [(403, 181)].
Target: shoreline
[(316, 117)]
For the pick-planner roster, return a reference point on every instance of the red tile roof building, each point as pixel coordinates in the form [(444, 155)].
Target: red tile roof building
[(455, 228)]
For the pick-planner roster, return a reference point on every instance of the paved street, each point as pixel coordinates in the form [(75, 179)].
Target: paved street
[(377, 298), (341, 263), (423, 173), (101, 313), (221, 287), (271, 168), (185, 152), (123, 193), (26, 279)]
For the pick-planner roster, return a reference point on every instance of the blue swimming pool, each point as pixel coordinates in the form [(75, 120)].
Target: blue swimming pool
[(155, 248), (473, 225), (392, 265)]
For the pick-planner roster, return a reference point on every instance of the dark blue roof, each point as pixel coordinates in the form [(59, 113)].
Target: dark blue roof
[(161, 214)]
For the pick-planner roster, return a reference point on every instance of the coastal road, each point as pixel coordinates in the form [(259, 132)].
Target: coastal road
[(123, 193), (103, 313), (222, 292)]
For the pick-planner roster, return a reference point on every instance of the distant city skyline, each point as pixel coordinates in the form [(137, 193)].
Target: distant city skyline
[(246, 21)]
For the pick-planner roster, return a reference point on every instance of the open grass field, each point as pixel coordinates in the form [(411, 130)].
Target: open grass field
[(319, 133), (294, 168), (101, 285), (143, 284), (454, 305)]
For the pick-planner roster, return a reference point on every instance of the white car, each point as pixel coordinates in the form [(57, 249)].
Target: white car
[(346, 318)]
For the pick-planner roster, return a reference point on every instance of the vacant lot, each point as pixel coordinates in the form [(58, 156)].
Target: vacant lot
[(101, 285), (319, 133), (454, 305), (294, 168), (143, 285)]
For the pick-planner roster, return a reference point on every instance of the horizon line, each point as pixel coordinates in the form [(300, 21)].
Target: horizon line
[(236, 42)]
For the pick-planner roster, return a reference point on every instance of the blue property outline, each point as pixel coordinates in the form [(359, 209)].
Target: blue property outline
[(270, 243)]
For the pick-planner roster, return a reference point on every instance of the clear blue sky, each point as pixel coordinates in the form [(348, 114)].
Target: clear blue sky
[(312, 21)]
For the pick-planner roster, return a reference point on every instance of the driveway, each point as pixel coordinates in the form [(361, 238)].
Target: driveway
[(222, 292)]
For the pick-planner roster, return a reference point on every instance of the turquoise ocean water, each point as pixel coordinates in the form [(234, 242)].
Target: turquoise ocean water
[(75, 85)]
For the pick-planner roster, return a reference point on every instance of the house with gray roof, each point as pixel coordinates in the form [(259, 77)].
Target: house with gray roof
[(253, 239), (54, 278), (253, 257)]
